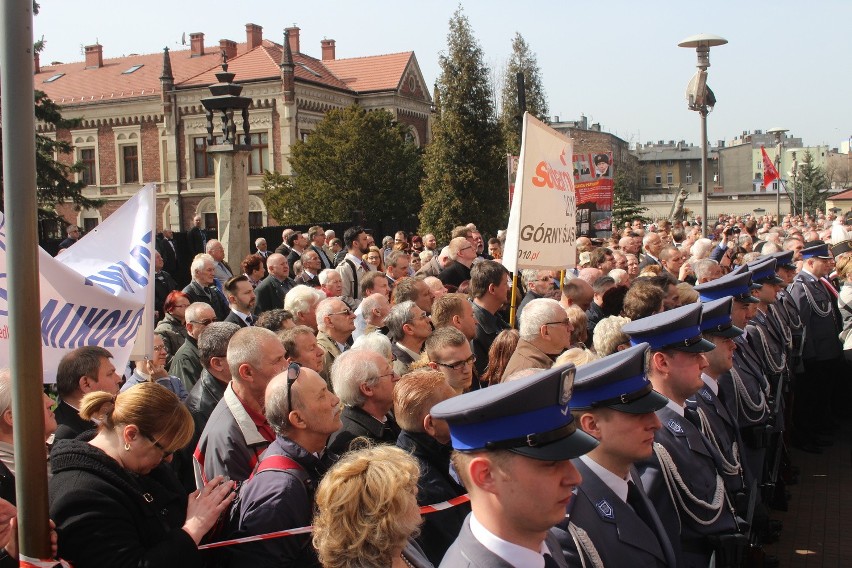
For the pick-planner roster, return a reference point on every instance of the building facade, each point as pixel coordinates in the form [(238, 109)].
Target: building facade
[(142, 120)]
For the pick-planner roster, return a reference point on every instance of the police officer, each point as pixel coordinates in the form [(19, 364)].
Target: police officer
[(785, 308), (683, 477), (514, 442), (615, 403)]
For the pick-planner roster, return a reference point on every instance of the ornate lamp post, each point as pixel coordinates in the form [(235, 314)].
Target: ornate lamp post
[(230, 161), (779, 135), (701, 99)]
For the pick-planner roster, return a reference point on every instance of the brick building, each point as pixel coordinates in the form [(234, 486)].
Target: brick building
[(142, 120)]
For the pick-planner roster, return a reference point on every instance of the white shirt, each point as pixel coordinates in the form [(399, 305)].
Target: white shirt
[(242, 316), (517, 556), (611, 480), (675, 406), (711, 383)]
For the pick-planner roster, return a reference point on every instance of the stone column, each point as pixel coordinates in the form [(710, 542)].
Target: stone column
[(230, 184)]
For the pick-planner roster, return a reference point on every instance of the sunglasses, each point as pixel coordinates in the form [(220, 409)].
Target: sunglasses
[(293, 370)]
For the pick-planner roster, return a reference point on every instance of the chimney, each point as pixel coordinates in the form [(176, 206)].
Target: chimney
[(327, 49), (229, 47), (196, 41), (294, 39), (36, 64), (254, 36), (94, 56)]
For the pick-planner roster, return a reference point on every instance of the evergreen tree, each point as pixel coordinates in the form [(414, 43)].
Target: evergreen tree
[(354, 160), (625, 207), (524, 61), (464, 164), (812, 181)]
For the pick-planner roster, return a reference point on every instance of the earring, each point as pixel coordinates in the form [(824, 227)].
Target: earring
[(126, 447)]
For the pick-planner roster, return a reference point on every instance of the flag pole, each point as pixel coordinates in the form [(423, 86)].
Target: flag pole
[(21, 232)]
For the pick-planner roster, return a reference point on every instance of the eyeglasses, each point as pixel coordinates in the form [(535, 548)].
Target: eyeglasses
[(392, 374), (459, 365), (465, 248), (566, 323), (346, 312), (161, 349), (158, 446), (293, 370), (204, 321), (422, 316)]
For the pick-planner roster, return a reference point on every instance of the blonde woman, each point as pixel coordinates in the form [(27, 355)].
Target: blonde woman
[(367, 513)]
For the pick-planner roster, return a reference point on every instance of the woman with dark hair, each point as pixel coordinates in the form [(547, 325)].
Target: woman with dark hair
[(115, 500), (172, 328), (252, 266), (498, 356)]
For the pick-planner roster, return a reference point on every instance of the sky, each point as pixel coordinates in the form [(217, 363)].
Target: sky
[(618, 62)]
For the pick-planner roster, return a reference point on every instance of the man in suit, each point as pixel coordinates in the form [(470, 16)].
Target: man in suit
[(311, 267), (163, 285), (519, 481), (222, 269), (197, 237), (166, 247), (84, 370), (203, 286), (653, 245), (699, 514), (614, 402), (297, 243), (409, 328), (271, 291), (397, 266), (283, 248), (316, 236), (241, 300)]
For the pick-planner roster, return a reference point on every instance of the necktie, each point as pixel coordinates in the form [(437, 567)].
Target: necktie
[(249, 320), (634, 499), (549, 562)]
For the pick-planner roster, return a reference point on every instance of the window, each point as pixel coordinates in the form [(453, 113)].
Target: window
[(255, 219), (759, 165), (130, 158), (669, 163), (54, 78), (202, 160), (211, 221), (658, 179), (669, 178), (688, 177), (89, 173), (89, 223), (259, 158), (132, 69), (644, 180)]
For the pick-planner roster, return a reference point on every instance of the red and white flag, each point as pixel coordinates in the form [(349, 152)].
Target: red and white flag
[(770, 174)]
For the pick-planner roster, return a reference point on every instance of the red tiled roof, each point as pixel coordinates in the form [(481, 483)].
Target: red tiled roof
[(263, 63), (847, 194), (80, 85), (372, 73)]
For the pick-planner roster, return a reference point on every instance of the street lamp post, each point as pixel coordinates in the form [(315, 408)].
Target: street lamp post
[(701, 99), (779, 134)]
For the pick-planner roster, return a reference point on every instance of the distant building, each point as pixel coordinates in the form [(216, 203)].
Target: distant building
[(142, 120)]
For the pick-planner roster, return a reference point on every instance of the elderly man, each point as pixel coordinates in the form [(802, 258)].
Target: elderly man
[(222, 271), (463, 254), (538, 283), (261, 248), (374, 308), (284, 249), (428, 440), (207, 392), (237, 433), (373, 282), (545, 332), (454, 310), (489, 288), (653, 244), (241, 300), (279, 496), (302, 302), (311, 267), (439, 262), (300, 346), (364, 381), (416, 290), (436, 286), (316, 236), (335, 322), (83, 370), (449, 352), (272, 290), (577, 292), (186, 363), (73, 232), (203, 288), (397, 266), (408, 327)]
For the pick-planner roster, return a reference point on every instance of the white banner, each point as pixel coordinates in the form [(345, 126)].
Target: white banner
[(542, 230), (96, 291)]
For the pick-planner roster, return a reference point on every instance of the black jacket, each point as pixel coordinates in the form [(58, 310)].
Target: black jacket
[(209, 295), (357, 424), (202, 399), (454, 274), (435, 485), (108, 516), (69, 421)]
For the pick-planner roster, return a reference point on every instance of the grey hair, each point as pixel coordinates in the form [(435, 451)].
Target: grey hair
[(301, 299), (349, 371), (194, 309), (702, 267), (199, 261), (258, 240), (537, 313), (324, 309), (375, 342), (530, 275), (399, 315), (213, 341), (324, 274), (245, 347), (608, 335), (372, 302), (5, 390), (701, 248)]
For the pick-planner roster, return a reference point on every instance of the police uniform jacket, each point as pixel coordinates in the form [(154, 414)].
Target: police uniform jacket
[(467, 552), (620, 536), (821, 341), (696, 463)]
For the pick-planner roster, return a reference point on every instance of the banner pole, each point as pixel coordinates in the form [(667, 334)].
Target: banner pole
[(513, 303), (21, 232)]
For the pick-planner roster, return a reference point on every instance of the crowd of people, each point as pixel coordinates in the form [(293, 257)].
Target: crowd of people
[(637, 409)]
